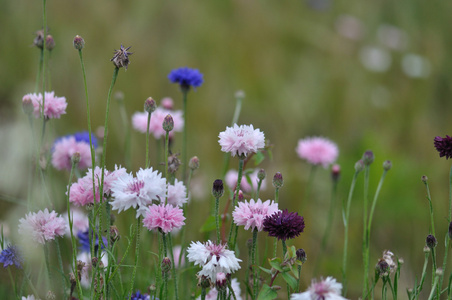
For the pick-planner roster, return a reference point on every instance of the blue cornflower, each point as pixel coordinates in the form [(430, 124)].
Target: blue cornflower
[(186, 78), (83, 238), (82, 136), (10, 256), (139, 296)]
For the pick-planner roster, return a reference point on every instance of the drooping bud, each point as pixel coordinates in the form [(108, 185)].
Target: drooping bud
[(50, 43), (121, 57), (424, 179), (368, 157), (218, 189), (335, 172), (359, 166), (194, 163), (79, 42), (166, 265), (221, 282), (431, 241), (278, 180), (39, 39), (261, 174), (301, 255), (168, 123), (27, 105), (387, 165), (149, 105)]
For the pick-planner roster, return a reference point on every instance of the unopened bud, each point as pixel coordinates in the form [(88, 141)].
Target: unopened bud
[(261, 174), (278, 180), (79, 42), (39, 39), (218, 189), (168, 123), (401, 261), (301, 255), (221, 281), (149, 105), (166, 265), (335, 172), (50, 43), (368, 157), (204, 282), (241, 196), (152, 288), (431, 241), (27, 105), (424, 179), (75, 158), (194, 163), (94, 261), (387, 165), (359, 166)]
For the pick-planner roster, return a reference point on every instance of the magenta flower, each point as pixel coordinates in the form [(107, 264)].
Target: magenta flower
[(252, 214), (54, 106), (317, 151), (42, 226), (231, 181), (140, 121), (65, 148), (164, 217), (284, 225), (241, 140), (444, 146)]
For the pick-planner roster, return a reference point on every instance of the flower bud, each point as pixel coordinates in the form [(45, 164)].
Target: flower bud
[(166, 265), (114, 234), (278, 180), (204, 281), (149, 105), (39, 39), (424, 179), (301, 255), (221, 282), (261, 174), (335, 172), (27, 105), (387, 165), (75, 158), (50, 43), (431, 241), (359, 166), (194, 163), (368, 157), (241, 196), (218, 189), (439, 272), (119, 96), (79, 42), (168, 123), (94, 261), (426, 249)]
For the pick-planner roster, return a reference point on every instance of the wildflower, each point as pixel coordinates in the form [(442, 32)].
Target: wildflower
[(85, 241), (317, 151), (278, 180), (382, 268), (79, 42), (284, 225), (65, 147), (444, 146), (231, 181), (139, 296), (167, 103), (218, 188), (54, 106), (42, 226), (431, 241), (212, 258), (137, 192), (177, 193), (252, 214), (388, 256), (140, 121), (213, 293), (11, 256), (241, 140), (164, 217), (325, 289), (121, 57), (186, 78)]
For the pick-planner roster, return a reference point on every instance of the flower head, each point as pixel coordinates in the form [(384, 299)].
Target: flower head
[(137, 192), (325, 289), (140, 121), (284, 225), (177, 193), (444, 146), (241, 140), (54, 106), (164, 217), (186, 78), (121, 57), (252, 214), (11, 256), (42, 226), (388, 256), (317, 151), (65, 147), (139, 296), (212, 258)]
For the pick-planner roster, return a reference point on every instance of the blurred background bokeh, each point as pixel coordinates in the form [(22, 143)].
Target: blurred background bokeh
[(374, 75)]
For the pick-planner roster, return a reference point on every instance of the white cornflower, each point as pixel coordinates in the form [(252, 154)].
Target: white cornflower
[(325, 289), (177, 193)]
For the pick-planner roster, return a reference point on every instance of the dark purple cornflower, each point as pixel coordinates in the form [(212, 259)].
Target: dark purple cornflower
[(186, 78), (10, 256), (284, 225), (84, 239), (444, 146)]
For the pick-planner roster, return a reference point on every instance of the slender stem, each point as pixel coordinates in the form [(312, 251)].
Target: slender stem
[(330, 217), (446, 250), (137, 253), (166, 155), (47, 259), (231, 291), (217, 218), (30, 283), (147, 141), (418, 289), (203, 293), (165, 273), (259, 183), (60, 262), (234, 199), (173, 266), (184, 138), (432, 292), (275, 241), (284, 254), (374, 202), (12, 282), (365, 233), (40, 63), (253, 262), (429, 198), (299, 279)]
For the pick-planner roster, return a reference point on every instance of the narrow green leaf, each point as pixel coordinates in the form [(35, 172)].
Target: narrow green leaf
[(276, 265), (258, 158), (268, 271), (290, 280), (267, 293)]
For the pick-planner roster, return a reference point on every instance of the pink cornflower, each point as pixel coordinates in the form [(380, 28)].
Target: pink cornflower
[(140, 121), (42, 226), (167, 103), (326, 289), (63, 150), (82, 191), (138, 192), (163, 217), (252, 214), (54, 106), (213, 259), (241, 140), (177, 193), (317, 151), (231, 181)]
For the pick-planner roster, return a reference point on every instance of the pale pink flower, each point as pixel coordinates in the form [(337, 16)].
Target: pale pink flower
[(82, 191), (252, 214), (177, 256), (138, 192), (29, 297), (163, 217), (317, 151), (54, 106), (140, 119), (231, 181), (326, 289), (80, 222), (167, 103), (85, 257), (64, 149), (177, 193), (42, 226), (241, 140), (212, 258)]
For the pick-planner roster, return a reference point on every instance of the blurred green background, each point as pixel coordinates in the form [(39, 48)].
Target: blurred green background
[(368, 75)]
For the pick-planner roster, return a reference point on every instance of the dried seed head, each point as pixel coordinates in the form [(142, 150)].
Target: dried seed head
[(50, 43), (121, 57), (39, 39), (79, 42)]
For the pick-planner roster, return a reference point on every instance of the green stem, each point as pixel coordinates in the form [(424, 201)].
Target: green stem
[(137, 253), (429, 198), (165, 273), (184, 138), (12, 282), (446, 250), (432, 292), (330, 217), (173, 266), (60, 262), (234, 199), (166, 156), (275, 241), (365, 233), (30, 283), (299, 279), (374, 203), (40, 63), (284, 254), (253, 263), (148, 163), (203, 293), (217, 219), (418, 289)]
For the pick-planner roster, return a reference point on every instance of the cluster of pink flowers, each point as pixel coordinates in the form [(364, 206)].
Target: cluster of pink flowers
[(252, 214), (81, 192), (65, 148), (163, 217), (317, 151), (140, 121), (231, 181), (54, 106), (42, 226), (241, 140)]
